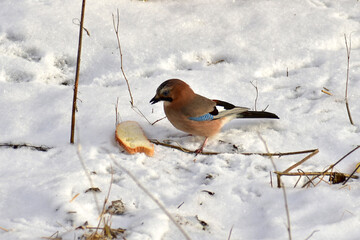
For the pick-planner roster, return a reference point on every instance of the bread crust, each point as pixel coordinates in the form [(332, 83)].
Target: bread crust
[(132, 138)]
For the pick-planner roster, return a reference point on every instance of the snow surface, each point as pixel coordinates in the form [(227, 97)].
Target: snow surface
[(289, 49)]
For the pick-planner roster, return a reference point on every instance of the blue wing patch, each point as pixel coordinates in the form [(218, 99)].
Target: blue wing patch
[(205, 117)]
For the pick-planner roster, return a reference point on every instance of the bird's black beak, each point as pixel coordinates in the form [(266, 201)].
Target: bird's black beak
[(155, 99)]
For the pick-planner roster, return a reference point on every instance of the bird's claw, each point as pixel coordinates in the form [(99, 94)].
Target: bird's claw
[(198, 151)]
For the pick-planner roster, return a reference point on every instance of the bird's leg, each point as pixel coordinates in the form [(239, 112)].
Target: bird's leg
[(200, 150)]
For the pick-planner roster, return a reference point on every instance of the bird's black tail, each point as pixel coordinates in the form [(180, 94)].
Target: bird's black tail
[(256, 114)]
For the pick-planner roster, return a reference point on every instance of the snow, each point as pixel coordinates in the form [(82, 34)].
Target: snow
[(289, 49)]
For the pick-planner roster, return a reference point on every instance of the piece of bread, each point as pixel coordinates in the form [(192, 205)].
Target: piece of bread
[(131, 137)]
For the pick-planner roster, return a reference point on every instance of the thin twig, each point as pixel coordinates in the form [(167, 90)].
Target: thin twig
[(41, 148), (4, 229), (137, 110), (158, 203), (116, 25), (351, 175), (230, 232), (54, 236), (105, 201), (332, 166), (116, 28), (78, 152), (321, 179), (298, 179), (84, 28), (185, 150), (326, 92), (301, 161), (301, 173), (307, 177), (282, 187), (180, 205), (348, 51), (117, 115), (158, 120), (315, 231), (74, 107), (76, 195), (280, 154), (257, 92)]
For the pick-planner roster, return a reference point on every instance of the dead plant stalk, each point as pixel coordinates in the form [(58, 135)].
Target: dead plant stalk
[(116, 28), (103, 211), (116, 24), (74, 107), (267, 154), (257, 93), (151, 196), (331, 166), (351, 175), (86, 171), (313, 173), (282, 187), (348, 51)]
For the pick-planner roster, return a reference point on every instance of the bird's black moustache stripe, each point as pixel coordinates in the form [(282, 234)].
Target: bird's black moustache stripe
[(168, 99), (155, 100)]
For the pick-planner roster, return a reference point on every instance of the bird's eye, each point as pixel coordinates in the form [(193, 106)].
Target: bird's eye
[(165, 93)]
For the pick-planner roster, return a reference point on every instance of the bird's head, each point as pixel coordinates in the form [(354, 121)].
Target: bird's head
[(171, 90)]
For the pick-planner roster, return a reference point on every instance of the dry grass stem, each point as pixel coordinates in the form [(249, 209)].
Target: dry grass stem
[(348, 51), (41, 148), (257, 93), (107, 232), (315, 231), (116, 24), (326, 92), (78, 23), (299, 170), (158, 203), (313, 173), (117, 115), (74, 197), (78, 152), (116, 28), (55, 236), (231, 229), (185, 150), (351, 175), (4, 229), (158, 120), (137, 110), (308, 178), (282, 187), (332, 166), (302, 161), (101, 217), (77, 72), (280, 154)]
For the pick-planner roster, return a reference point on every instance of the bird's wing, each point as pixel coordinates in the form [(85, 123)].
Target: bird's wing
[(229, 109), (231, 112), (198, 107), (204, 109)]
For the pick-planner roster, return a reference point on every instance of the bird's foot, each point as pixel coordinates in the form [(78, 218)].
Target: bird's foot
[(198, 151)]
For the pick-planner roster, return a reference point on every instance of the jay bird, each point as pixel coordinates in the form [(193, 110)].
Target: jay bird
[(198, 115)]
